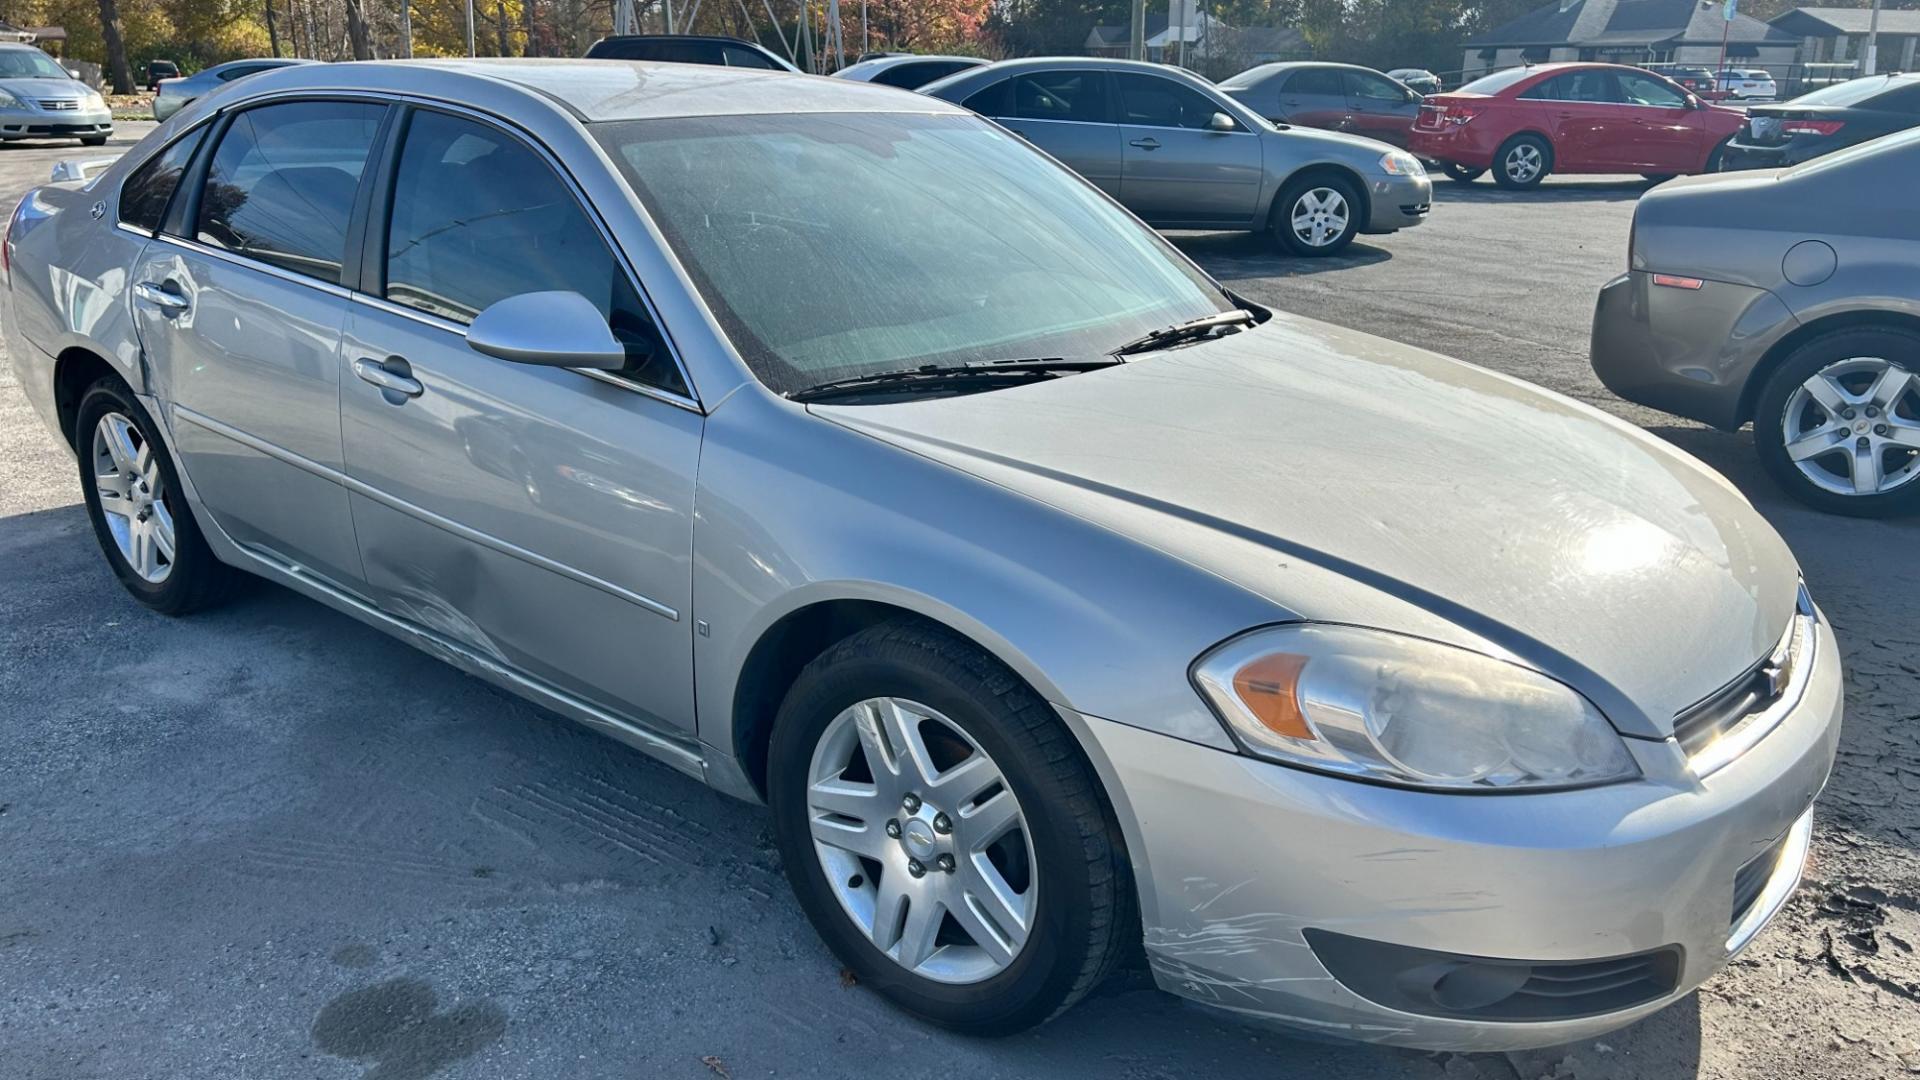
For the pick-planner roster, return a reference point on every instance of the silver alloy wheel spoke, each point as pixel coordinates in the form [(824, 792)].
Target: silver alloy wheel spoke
[(1845, 431), (1319, 217), (132, 497), (912, 822)]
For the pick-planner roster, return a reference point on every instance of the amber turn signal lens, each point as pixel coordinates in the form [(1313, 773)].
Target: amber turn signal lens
[(1269, 687)]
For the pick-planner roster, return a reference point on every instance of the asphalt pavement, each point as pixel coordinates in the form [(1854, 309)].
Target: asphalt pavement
[(270, 842)]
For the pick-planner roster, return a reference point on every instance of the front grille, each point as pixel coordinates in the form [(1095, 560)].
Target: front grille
[(1751, 880), (59, 104), (1427, 982), (1749, 702)]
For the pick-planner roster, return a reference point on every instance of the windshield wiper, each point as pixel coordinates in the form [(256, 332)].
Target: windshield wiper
[(1204, 326), (937, 374)]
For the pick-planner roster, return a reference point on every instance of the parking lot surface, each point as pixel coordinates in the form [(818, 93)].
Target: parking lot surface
[(271, 842)]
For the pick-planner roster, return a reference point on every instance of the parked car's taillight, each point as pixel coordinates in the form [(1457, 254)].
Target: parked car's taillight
[(1461, 114), (1811, 127)]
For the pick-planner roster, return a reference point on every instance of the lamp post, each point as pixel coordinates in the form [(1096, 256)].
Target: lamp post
[(1870, 61)]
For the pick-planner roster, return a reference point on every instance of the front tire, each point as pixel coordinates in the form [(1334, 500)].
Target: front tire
[(138, 509), (93, 140), (1522, 162), (1317, 216), (1838, 422), (944, 833)]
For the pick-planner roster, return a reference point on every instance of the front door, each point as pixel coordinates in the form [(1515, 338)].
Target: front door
[(1590, 130), (1667, 134), (1380, 108), (539, 516), (240, 306), (1068, 113), (1179, 169)]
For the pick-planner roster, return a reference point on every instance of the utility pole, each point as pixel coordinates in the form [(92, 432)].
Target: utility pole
[(1872, 58), (470, 49), (406, 28), (1137, 31)]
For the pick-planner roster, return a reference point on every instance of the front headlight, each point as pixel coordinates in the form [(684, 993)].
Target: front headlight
[(8, 97), (1405, 711), (1395, 163), (93, 101)]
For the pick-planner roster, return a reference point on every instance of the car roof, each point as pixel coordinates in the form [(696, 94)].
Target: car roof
[(600, 90)]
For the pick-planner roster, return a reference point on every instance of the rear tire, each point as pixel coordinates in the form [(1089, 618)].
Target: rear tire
[(123, 462), (913, 693), (1317, 216), (1814, 451), (1522, 162), (1461, 174)]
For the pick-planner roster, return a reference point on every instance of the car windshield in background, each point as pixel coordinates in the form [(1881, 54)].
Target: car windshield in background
[(833, 246), (1851, 92), (29, 64), (1496, 82)]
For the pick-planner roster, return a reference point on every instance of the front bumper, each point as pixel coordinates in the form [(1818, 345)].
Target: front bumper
[(1242, 864), (1398, 202), (23, 122), (1689, 352)]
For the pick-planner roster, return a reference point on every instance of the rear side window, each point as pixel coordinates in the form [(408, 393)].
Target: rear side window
[(281, 185), (479, 217), (1590, 85), (909, 76), (995, 100), (144, 197), (1316, 81), (1079, 95)]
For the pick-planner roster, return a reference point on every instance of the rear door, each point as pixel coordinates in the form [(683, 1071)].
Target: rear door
[(240, 305), (538, 516), (1066, 112), (1178, 170), (1667, 135), (1380, 108), (1590, 130), (1315, 97)]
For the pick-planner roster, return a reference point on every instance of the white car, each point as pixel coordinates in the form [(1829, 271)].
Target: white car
[(1745, 84)]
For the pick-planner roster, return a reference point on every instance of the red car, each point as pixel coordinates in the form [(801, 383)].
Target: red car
[(1571, 118)]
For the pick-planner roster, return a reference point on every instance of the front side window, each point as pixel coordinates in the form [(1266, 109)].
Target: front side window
[(1364, 87), (831, 246), (479, 217), (1642, 90), (1061, 95), (1151, 101), (144, 196), (281, 184)]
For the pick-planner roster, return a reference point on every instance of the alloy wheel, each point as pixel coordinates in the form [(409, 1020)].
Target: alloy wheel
[(133, 499), (1853, 427), (1523, 163), (1320, 216), (921, 840)]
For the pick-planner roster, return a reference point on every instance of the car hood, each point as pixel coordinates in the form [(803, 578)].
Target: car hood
[(45, 88), (1343, 144), (1347, 478)]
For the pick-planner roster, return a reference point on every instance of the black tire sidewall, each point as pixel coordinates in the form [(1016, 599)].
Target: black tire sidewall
[(1461, 174), (1043, 975), (1282, 216), (178, 593), (1500, 162), (1901, 346)]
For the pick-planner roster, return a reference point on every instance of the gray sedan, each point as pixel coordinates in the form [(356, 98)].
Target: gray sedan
[(1789, 298), (1182, 155), (39, 99), (833, 446), (175, 94)]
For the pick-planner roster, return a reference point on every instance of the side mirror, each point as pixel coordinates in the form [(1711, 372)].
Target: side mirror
[(555, 329), (1221, 122), (1694, 102)]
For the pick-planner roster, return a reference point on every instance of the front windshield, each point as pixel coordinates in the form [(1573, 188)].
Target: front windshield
[(29, 64), (836, 245)]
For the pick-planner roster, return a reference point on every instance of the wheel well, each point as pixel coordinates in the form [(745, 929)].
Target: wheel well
[(1528, 132), (775, 662), (1324, 169), (73, 371), (1800, 335)]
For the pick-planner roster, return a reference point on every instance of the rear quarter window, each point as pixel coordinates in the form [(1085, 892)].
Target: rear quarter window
[(145, 195)]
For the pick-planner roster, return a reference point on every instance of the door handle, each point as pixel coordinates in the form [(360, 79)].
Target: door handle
[(162, 297), (391, 382), (1148, 143)]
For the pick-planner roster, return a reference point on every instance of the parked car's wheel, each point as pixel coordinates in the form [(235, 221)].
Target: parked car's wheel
[(1461, 173), (1522, 162), (93, 140), (1838, 422), (139, 512), (1317, 215), (1717, 157), (944, 833)]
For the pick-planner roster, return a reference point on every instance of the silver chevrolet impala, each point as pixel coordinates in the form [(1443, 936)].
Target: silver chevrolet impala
[(833, 446)]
